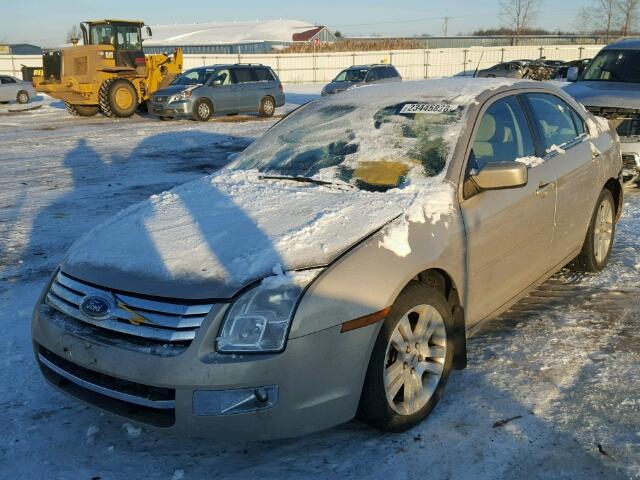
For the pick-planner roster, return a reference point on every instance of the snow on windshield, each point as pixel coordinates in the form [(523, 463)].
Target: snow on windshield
[(370, 146)]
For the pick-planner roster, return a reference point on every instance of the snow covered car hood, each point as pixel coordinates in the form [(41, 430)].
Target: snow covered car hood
[(605, 94), (211, 237)]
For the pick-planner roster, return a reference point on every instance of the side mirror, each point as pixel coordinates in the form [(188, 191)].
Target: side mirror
[(216, 82), (572, 74), (500, 175), (149, 33)]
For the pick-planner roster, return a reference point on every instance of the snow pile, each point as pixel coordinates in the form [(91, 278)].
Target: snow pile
[(555, 148), (531, 161), (281, 278), (433, 204)]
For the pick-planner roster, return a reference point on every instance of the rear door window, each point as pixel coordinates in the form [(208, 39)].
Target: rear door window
[(264, 75), (503, 135), (554, 119), (392, 72), (245, 75), (373, 75)]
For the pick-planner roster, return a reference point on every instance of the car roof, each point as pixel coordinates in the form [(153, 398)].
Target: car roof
[(362, 67), (624, 44), (461, 90), (228, 65)]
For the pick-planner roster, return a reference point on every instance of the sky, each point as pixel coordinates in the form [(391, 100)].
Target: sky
[(45, 22)]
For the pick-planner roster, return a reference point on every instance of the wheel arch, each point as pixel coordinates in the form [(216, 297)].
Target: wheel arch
[(613, 185), (442, 281)]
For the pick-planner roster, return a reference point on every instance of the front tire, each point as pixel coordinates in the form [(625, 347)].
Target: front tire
[(410, 362), (118, 98), (22, 97), (202, 110), (82, 110), (267, 107), (598, 243)]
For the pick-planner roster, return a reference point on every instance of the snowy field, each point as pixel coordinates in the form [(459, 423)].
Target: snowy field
[(551, 391)]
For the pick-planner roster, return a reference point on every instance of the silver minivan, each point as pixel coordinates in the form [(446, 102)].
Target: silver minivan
[(202, 92), (338, 265)]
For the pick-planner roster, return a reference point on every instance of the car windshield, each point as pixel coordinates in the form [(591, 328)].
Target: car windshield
[(373, 145), (197, 76), (614, 66), (351, 75)]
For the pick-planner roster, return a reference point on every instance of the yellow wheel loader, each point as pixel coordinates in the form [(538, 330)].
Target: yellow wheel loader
[(109, 72)]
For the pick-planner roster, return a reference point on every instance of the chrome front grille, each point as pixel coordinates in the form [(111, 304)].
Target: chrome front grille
[(136, 316), (159, 98)]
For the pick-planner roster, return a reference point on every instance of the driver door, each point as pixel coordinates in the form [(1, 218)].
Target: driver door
[(509, 231), (222, 91)]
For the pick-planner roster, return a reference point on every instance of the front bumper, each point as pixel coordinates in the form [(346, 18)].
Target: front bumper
[(177, 109), (314, 384), (630, 159)]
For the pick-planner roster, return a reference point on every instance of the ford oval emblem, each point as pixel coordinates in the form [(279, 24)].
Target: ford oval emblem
[(96, 307)]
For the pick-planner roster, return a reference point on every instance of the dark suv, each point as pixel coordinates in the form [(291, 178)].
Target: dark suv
[(360, 75), (610, 87), (203, 91)]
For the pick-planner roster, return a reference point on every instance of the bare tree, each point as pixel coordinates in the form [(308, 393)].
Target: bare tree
[(584, 21), (519, 14), (605, 15), (628, 15), (73, 35)]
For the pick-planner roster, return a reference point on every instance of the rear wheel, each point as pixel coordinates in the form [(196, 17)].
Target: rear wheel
[(202, 110), (598, 243), (118, 98), (82, 110), (411, 361), (267, 107), (22, 97)]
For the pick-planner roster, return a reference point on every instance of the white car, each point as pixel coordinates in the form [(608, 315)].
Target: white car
[(12, 88)]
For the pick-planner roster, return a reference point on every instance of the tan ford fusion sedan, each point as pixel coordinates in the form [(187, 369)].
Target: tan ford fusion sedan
[(337, 266)]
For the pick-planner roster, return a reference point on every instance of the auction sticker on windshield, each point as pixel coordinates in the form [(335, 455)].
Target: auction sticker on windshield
[(428, 108)]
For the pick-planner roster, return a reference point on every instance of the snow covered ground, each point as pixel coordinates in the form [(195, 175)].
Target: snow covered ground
[(551, 391)]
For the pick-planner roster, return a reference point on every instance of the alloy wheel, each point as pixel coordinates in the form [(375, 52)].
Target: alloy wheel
[(603, 231), (415, 359), (203, 110)]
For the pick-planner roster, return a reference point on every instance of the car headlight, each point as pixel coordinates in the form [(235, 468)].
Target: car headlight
[(259, 320), (184, 95)]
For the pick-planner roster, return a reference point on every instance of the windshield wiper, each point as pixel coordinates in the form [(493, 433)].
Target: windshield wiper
[(305, 180)]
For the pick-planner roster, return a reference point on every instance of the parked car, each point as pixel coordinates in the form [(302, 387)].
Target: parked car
[(506, 69), (610, 87), (228, 89), (361, 75), (334, 267), (12, 88), (563, 70), (552, 63)]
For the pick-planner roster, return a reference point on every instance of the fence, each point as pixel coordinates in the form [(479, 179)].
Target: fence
[(412, 64), (322, 67), (12, 64)]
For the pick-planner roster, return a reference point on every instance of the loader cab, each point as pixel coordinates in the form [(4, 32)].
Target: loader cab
[(124, 36)]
